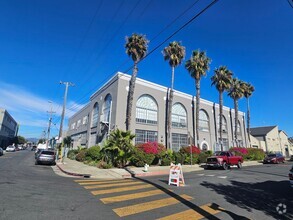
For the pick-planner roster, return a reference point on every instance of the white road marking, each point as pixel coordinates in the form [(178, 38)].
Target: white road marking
[(222, 177), (200, 174)]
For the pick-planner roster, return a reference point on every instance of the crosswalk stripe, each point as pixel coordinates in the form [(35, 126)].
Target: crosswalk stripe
[(83, 180), (147, 206), (131, 196), (192, 214), (110, 185), (122, 189), (103, 182)]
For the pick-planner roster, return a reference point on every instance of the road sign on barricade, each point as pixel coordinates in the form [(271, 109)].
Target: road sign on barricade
[(176, 175)]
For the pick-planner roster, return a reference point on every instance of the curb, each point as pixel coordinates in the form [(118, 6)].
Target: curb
[(74, 174), (156, 173)]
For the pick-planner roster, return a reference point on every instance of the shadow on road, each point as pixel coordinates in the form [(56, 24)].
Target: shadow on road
[(189, 204), (262, 196)]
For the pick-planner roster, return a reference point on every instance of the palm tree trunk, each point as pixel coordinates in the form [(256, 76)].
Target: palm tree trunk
[(236, 121), (248, 121), (197, 86), (130, 96), (169, 118), (221, 116)]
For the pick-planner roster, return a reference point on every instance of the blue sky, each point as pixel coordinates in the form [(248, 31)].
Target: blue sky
[(43, 42)]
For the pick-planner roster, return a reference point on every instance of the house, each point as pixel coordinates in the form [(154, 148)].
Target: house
[(106, 111), (271, 139)]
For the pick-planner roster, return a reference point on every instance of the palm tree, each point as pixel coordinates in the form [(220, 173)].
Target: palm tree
[(222, 81), (248, 90), (174, 53), (136, 47), (236, 92), (197, 66), (118, 148)]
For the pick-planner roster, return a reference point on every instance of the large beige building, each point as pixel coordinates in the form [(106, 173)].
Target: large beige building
[(107, 110), (271, 139)]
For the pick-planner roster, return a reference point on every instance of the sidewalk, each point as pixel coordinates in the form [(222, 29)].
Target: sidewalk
[(78, 169)]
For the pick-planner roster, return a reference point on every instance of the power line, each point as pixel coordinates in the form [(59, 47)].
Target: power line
[(166, 27)]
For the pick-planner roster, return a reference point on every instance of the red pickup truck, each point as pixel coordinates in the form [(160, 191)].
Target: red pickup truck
[(224, 159)]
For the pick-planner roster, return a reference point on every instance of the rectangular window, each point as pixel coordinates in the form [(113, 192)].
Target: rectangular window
[(178, 141), (78, 123), (84, 120), (143, 136), (73, 126)]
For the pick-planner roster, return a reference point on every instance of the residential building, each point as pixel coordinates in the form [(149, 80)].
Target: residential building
[(271, 139), (8, 128), (106, 110)]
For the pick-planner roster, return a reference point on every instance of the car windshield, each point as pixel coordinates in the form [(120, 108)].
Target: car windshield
[(272, 155), (220, 154), (48, 152)]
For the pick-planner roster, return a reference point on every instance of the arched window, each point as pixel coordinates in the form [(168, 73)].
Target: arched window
[(146, 110), (179, 116), (95, 115), (204, 124), (105, 117), (224, 124)]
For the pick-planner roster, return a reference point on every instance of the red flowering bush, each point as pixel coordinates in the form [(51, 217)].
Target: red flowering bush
[(241, 150), (194, 150), (151, 147)]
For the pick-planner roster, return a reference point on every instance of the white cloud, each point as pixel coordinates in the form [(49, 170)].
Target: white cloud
[(29, 109)]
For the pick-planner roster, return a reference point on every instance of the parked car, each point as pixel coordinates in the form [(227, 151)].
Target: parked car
[(224, 159), (10, 148), (45, 157), (291, 176), (274, 158), (1, 151), (37, 152)]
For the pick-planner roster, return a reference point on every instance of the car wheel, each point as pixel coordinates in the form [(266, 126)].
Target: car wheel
[(239, 165), (225, 166)]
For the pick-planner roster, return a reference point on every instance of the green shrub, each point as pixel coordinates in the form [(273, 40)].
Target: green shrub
[(91, 162), (72, 154), (104, 165), (140, 158), (254, 154), (81, 156), (166, 161), (93, 153), (179, 157), (188, 159)]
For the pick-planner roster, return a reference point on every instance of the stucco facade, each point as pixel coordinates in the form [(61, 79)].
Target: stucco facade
[(107, 110)]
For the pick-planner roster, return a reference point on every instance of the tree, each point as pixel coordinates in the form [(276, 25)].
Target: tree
[(248, 90), (136, 47), (20, 140), (41, 141), (67, 141), (236, 92), (222, 81), (174, 53), (118, 148), (197, 67)]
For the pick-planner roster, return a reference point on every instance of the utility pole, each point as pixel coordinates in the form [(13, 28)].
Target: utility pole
[(64, 105), (49, 127)]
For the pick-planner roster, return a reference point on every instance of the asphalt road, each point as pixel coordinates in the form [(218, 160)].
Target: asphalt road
[(33, 192)]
